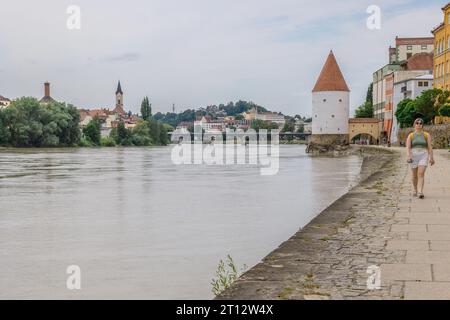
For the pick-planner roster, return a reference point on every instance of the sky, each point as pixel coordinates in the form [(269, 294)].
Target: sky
[(196, 53)]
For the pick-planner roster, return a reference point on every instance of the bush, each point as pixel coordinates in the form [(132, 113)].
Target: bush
[(85, 143), (107, 142)]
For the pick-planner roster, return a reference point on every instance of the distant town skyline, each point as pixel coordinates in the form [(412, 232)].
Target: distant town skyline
[(199, 53)]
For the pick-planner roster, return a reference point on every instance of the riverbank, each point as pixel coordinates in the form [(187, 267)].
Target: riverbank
[(328, 258)]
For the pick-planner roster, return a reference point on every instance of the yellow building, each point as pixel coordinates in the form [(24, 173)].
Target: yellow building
[(369, 129), (442, 51)]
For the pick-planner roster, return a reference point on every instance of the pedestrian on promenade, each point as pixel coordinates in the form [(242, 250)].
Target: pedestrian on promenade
[(420, 153)]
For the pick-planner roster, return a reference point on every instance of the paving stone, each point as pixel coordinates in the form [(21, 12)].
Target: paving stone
[(407, 245), (409, 227), (427, 290), (429, 236), (433, 257), (440, 245), (404, 271)]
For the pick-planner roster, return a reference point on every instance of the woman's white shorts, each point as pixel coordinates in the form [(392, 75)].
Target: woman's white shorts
[(419, 158)]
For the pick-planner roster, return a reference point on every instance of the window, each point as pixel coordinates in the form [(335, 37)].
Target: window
[(408, 47), (424, 47), (332, 115), (408, 55), (315, 116), (324, 100), (420, 84), (425, 84), (340, 100)]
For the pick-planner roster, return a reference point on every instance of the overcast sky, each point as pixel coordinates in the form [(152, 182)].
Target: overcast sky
[(198, 52)]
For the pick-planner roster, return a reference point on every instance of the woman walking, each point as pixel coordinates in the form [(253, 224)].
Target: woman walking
[(420, 153)]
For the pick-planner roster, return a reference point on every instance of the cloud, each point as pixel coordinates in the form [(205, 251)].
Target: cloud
[(127, 57), (199, 52)]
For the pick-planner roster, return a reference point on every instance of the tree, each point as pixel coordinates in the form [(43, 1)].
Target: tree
[(92, 131), (26, 123), (289, 126), (444, 111), (406, 113), (369, 94), (123, 135), (364, 111), (146, 109)]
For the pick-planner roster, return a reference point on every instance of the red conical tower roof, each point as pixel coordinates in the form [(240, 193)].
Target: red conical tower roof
[(331, 78)]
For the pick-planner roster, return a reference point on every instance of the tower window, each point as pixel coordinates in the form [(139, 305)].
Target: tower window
[(332, 115), (315, 116), (324, 100), (340, 100)]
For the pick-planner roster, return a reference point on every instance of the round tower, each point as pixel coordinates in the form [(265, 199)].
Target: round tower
[(330, 106)]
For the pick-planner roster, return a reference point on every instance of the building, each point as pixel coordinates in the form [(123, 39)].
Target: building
[(409, 86), (209, 125), (275, 117), (119, 100), (441, 51), (46, 99), (420, 50), (4, 102), (368, 129), (330, 105), (405, 48)]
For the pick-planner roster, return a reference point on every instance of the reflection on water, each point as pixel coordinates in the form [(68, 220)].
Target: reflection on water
[(140, 227)]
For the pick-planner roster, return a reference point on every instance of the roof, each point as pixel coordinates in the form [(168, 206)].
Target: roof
[(425, 77), (419, 61), (445, 7), (2, 98), (364, 120), (47, 99), (331, 78), (414, 41), (119, 88), (438, 28)]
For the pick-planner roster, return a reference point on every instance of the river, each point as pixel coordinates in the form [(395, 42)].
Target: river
[(141, 227)]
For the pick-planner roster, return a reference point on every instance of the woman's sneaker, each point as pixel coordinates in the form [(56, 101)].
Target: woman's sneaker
[(421, 196)]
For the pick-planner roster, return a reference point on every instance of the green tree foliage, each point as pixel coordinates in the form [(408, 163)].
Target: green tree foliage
[(91, 131), (26, 123), (145, 133), (445, 110), (146, 109), (364, 111), (259, 124), (289, 126), (425, 106), (406, 113)]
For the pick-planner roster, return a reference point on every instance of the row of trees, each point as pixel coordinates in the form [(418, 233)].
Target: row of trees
[(26, 123), (431, 103), (231, 109)]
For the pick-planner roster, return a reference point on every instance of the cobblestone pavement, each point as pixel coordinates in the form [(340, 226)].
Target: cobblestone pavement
[(378, 223)]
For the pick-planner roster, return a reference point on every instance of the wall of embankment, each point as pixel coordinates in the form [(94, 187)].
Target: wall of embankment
[(287, 271)]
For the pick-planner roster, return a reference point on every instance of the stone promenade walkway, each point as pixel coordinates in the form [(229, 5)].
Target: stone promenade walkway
[(422, 231), (378, 223)]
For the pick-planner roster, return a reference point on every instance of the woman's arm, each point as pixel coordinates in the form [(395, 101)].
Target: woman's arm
[(430, 150)]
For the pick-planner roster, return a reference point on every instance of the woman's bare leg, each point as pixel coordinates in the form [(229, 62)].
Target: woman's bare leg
[(421, 178), (414, 179)]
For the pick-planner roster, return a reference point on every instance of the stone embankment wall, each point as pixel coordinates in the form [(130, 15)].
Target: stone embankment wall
[(440, 135)]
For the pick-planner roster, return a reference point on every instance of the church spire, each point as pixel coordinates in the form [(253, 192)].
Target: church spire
[(119, 88)]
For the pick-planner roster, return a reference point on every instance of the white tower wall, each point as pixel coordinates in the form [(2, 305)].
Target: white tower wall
[(330, 112)]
